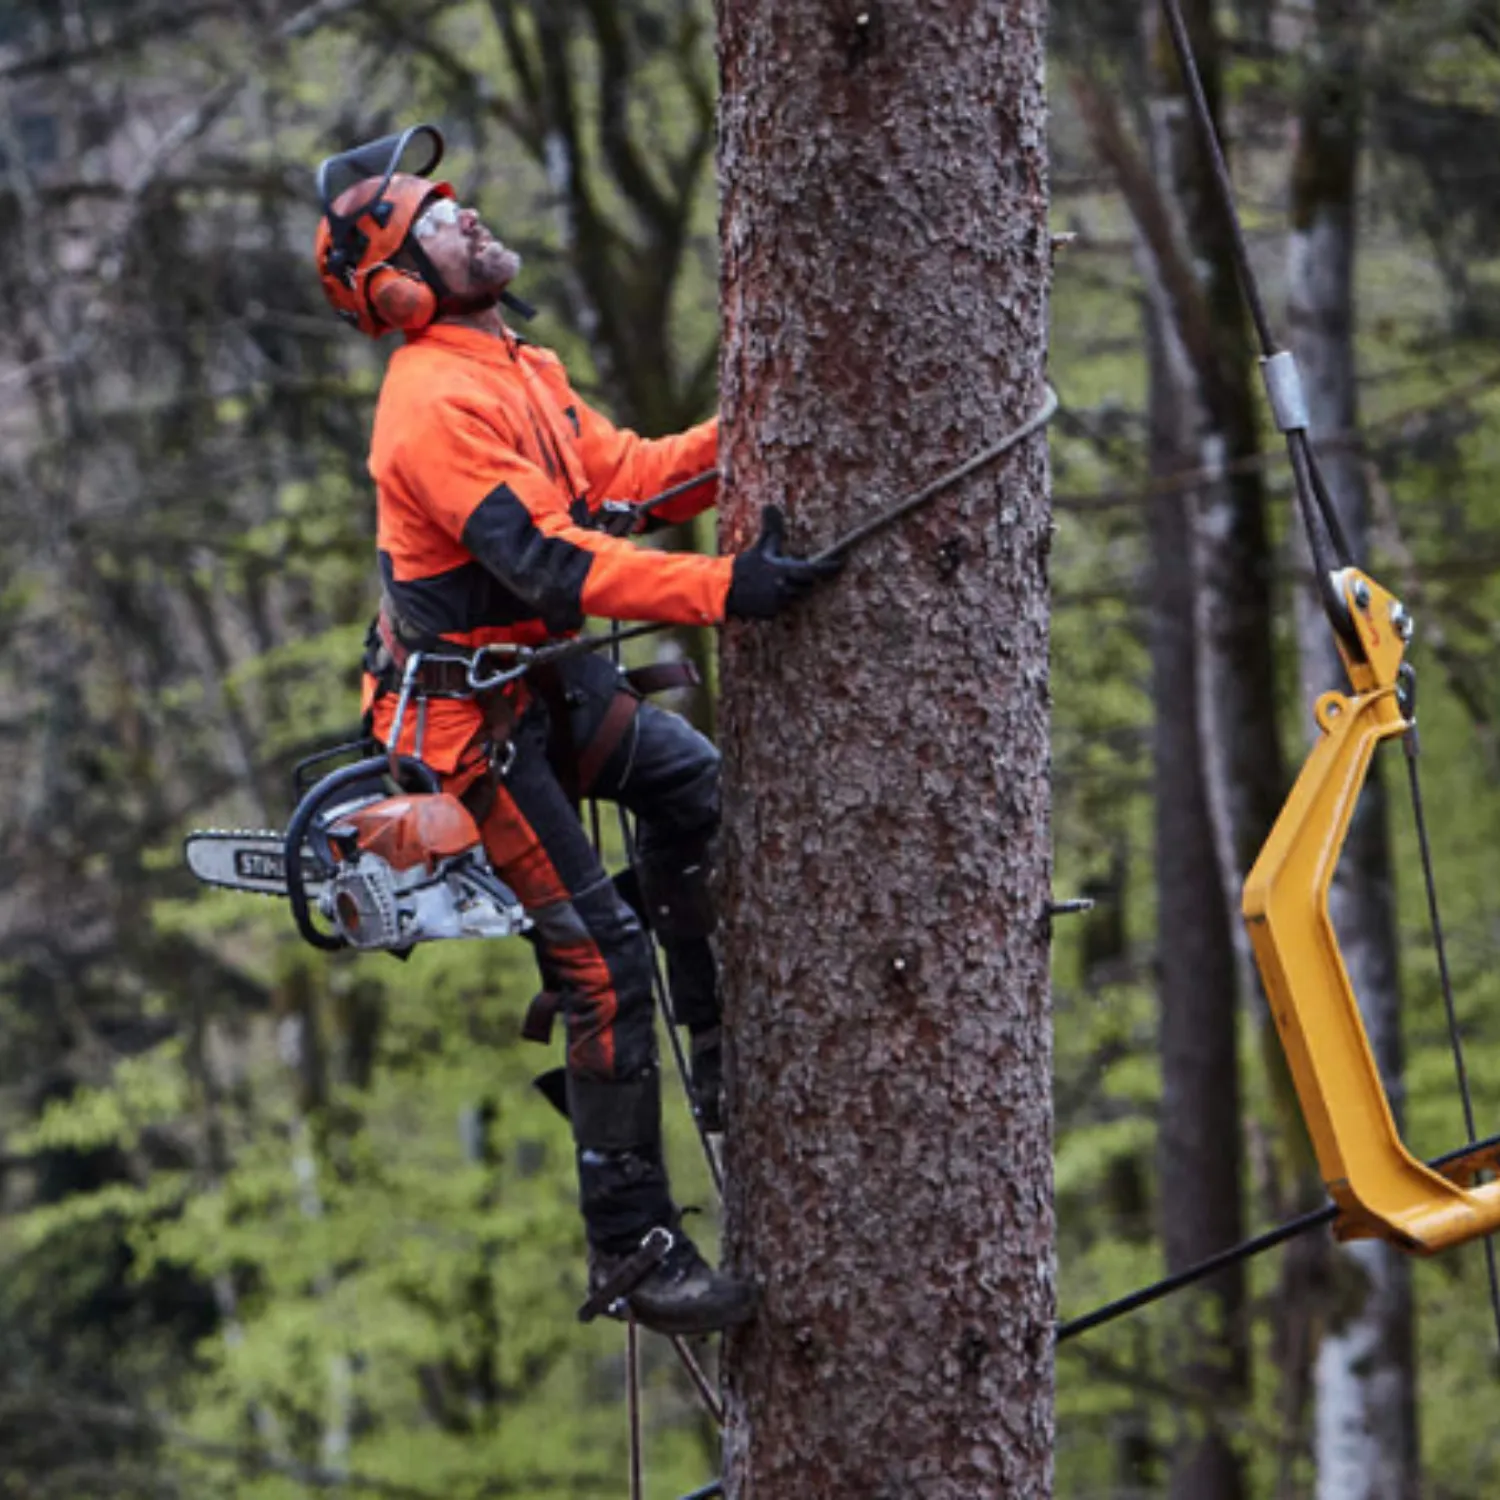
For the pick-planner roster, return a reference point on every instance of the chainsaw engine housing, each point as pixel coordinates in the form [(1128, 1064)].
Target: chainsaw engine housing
[(410, 870), (372, 906)]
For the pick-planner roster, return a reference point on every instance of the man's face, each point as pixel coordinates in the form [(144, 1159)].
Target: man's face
[(466, 255)]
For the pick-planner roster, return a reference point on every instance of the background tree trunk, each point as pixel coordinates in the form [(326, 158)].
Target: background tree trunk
[(1244, 774), (1199, 1152), (887, 853), (1216, 766), (1366, 1440), (1211, 354)]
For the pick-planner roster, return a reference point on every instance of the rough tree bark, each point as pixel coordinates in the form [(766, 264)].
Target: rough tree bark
[(1365, 1431), (886, 831)]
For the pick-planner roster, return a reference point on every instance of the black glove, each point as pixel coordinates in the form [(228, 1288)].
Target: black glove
[(765, 581)]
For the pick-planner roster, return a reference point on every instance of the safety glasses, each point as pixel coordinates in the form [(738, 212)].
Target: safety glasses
[(440, 213)]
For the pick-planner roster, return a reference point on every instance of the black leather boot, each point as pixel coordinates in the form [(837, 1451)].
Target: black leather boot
[(682, 1294), (623, 1192)]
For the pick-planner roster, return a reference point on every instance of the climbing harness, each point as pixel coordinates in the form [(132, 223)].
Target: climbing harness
[(943, 483)]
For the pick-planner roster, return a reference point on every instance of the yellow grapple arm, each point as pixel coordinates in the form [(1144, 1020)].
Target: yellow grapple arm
[(1381, 1190)]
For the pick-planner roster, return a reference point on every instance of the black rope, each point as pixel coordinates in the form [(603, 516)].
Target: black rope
[(646, 507), (1411, 745), (903, 507), (1320, 517), (1245, 1250), (706, 1394), (1204, 119), (633, 1405), (1180, 1279), (893, 513), (663, 1005)]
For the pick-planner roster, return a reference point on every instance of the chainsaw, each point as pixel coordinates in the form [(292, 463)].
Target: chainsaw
[(383, 872)]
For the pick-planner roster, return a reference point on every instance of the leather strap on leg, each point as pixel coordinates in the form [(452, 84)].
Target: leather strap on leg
[(541, 1014), (662, 676), (605, 740), (578, 766)]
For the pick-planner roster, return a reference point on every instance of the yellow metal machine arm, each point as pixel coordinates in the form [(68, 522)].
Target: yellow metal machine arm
[(1381, 1190)]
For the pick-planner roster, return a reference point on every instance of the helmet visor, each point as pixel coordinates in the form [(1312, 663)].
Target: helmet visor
[(416, 150)]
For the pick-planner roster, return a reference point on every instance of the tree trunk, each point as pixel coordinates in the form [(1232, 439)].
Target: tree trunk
[(1215, 760), (1198, 1144), (1211, 653), (1366, 1407), (886, 822), (1244, 774)]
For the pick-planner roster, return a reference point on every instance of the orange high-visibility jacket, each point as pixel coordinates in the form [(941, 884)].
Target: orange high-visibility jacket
[(486, 464)]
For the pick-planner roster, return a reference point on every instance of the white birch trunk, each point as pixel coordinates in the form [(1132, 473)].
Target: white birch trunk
[(1365, 1428)]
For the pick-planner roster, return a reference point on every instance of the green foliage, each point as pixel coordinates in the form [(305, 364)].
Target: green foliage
[(276, 1218), (375, 1275)]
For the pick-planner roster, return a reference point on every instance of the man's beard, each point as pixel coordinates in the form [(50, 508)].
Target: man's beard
[(485, 289), (493, 268)]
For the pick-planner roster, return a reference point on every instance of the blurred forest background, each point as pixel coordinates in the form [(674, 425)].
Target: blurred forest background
[(271, 1224)]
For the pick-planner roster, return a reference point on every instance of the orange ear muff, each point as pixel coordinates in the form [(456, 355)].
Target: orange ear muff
[(400, 299)]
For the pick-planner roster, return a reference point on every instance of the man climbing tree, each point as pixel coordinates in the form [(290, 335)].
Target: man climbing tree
[(491, 478), (885, 932)]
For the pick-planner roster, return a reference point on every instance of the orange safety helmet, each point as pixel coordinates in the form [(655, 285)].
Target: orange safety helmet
[(369, 205)]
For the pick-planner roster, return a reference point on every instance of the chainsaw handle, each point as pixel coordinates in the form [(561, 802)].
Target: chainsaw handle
[(406, 767)]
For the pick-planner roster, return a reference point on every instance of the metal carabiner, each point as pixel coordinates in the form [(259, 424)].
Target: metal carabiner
[(408, 683), (502, 758), (481, 684)]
